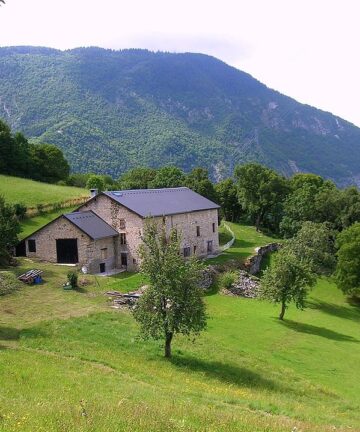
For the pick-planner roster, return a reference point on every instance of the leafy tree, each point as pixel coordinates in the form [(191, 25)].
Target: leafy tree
[(348, 265), (9, 229), (168, 177), (226, 192), (78, 179), (137, 178), (314, 243), (172, 304), (49, 164), (287, 280), (96, 182), (299, 180), (350, 206), (261, 192), (198, 181)]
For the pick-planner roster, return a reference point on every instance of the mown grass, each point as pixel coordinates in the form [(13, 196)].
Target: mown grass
[(30, 193), (246, 240), (70, 363)]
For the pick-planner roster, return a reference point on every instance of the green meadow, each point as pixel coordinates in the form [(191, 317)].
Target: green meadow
[(69, 362), (30, 192)]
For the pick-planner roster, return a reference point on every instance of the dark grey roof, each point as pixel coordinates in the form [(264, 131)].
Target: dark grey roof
[(91, 224), (161, 202)]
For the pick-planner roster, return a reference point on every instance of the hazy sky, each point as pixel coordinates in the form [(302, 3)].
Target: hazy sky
[(307, 49)]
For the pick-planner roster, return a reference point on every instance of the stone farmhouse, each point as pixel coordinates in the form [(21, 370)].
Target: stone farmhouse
[(105, 233)]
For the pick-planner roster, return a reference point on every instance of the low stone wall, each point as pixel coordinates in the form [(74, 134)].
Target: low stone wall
[(253, 264), (245, 286)]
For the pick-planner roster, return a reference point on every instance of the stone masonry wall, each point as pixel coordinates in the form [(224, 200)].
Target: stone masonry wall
[(112, 213), (89, 251), (186, 224)]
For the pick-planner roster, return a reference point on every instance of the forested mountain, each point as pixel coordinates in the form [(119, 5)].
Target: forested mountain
[(110, 111)]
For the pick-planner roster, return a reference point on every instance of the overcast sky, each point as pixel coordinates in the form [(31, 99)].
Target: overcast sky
[(307, 49)]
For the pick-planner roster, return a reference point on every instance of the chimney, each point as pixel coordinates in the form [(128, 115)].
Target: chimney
[(93, 192)]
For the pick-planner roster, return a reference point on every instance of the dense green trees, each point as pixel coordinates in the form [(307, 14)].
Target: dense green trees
[(137, 178), (172, 304), (43, 162), (226, 195), (9, 229), (261, 192), (95, 182), (167, 177), (348, 265)]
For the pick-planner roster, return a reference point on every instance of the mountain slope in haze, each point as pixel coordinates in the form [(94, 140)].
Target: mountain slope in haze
[(112, 110)]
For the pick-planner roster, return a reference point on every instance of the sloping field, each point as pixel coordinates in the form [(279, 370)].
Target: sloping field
[(70, 363), (30, 193)]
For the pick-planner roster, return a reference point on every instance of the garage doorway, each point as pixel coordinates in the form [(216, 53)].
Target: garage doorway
[(67, 251)]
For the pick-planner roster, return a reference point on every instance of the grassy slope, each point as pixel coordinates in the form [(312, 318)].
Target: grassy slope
[(29, 225), (247, 372), (31, 193)]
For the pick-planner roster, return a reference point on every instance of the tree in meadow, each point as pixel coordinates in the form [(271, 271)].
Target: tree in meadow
[(287, 280), (173, 302), (9, 229), (95, 181)]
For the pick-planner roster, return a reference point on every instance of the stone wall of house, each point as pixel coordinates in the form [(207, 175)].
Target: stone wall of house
[(89, 251), (113, 213), (187, 224), (102, 251)]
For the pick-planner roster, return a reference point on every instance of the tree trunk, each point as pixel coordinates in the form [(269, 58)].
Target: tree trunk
[(282, 313), (258, 220), (168, 339)]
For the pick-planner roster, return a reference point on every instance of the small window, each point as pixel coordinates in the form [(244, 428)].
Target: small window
[(195, 250), (186, 251), (122, 224), (32, 245), (134, 261), (123, 238), (213, 226), (209, 246), (104, 253), (198, 231)]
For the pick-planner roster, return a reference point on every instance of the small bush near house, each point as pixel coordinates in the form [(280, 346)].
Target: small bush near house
[(73, 279), (227, 279), (8, 283), (20, 210)]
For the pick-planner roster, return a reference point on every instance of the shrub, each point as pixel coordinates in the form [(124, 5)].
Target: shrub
[(40, 208), (8, 283), (73, 279), (227, 279), (20, 210)]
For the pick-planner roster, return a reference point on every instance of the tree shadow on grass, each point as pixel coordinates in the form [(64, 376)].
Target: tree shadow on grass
[(317, 331), (350, 312), (226, 373)]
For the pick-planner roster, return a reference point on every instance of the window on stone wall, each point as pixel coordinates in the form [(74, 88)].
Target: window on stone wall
[(32, 245), (186, 251), (122, 224), (123, 239), (213, 226), (209, 246), (104, 253), (198, 231), (195, 250)]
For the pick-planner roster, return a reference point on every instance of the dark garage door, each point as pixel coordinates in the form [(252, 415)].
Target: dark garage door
[(67, 251)]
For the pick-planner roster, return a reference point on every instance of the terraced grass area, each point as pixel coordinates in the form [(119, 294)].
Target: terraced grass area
[(30, 193), (70, 363)]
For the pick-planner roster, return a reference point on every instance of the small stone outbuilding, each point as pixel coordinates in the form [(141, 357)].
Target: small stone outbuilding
[(105, 232)]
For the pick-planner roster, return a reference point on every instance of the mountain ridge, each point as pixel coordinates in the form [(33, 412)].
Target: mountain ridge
[(112, 110)]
